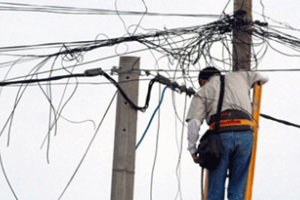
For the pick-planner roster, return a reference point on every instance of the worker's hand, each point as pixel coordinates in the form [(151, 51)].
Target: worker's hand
[(195, 157)]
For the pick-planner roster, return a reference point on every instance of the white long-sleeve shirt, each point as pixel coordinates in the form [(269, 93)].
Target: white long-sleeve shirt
[(204, 103)]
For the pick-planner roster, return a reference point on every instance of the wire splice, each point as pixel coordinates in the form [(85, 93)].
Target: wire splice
[(174, 85), (94, 72)]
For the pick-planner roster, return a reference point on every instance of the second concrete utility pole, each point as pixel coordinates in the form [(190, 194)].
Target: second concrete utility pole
[(125, 131)]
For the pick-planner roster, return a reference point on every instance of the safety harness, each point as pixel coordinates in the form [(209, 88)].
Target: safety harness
[(233, 120)]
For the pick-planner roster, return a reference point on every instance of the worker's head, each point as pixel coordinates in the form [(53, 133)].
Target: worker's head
[(206, 73)]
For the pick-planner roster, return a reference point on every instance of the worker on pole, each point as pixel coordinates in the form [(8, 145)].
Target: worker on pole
[(235, 130)]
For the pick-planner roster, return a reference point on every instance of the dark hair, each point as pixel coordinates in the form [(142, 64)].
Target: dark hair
[(207, 72)]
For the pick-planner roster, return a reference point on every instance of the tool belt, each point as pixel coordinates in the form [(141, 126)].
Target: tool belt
[(233, 120)]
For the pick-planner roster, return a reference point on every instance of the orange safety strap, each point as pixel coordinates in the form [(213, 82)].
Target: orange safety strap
[(235, 122)]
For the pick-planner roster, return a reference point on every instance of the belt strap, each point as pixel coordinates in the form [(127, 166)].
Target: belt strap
[(235, 122)]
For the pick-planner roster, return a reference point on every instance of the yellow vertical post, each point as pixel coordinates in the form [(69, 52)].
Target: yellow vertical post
[(206, 184), (255, 115)]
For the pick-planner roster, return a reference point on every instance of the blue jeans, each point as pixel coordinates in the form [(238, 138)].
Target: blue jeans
[(237, 156)]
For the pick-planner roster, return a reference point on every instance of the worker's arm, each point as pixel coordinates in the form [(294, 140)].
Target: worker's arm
[(193, 136)]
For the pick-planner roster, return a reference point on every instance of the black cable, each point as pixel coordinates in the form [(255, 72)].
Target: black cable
[(173, 85), (79, 64), (152, 81), (89, 73), (5, 6), (206, 35), (227, 71), (199, 42), (41, 80), (279, 120)]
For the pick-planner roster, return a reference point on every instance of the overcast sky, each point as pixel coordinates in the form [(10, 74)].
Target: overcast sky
[(25, 162)]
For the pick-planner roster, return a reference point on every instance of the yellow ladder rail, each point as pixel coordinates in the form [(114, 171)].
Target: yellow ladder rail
[(255, 115)]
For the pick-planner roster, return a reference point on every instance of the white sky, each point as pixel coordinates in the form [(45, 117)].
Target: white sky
[(276, 175)]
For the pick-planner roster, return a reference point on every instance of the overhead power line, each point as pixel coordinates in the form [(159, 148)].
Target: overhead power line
[(159, 78), (186, 45), (279, 121), (41, 80), (197, 70), (5, 6)]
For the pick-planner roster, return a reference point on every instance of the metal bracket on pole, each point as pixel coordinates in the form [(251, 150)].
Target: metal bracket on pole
[(121, 70)]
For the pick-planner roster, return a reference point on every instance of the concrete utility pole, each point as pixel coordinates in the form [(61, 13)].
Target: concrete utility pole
[(125, 132), (242, 39)]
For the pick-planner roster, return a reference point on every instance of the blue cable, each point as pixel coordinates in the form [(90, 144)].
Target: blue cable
[(160, 101)]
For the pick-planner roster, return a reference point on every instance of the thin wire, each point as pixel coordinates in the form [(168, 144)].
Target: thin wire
[(17, 100), (190, 49), (156, 147), (6, 178), (136, 70), (88, 148), (175, 109), (149, 123), (178, 167), (87, 11), (197, 71)]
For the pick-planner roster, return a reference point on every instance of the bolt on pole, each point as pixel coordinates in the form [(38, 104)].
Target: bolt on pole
[(125, 131)]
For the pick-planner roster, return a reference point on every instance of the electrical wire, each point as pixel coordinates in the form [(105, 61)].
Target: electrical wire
[(149, 123), (199, 43), (178, 167), (88, 148), (19, 95), (279, 120), (6, 178), (156, 148), (5, 6), (85, 75), (188, 46), (42, 79)]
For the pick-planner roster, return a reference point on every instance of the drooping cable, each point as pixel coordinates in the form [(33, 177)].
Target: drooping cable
[(152, 81), (6, 178)]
